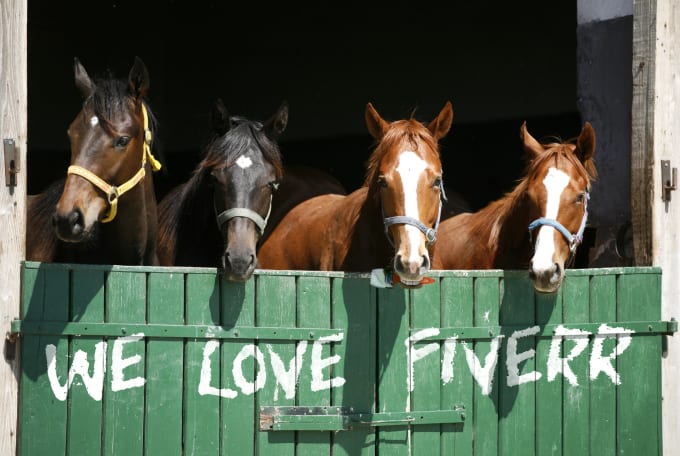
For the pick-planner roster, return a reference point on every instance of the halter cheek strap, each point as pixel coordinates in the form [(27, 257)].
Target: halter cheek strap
[(224, 216), (574, 240), (114, 192)]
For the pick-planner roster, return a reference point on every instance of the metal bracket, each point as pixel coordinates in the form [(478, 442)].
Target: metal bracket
[(669, 179), (338, 418), (11, 162)]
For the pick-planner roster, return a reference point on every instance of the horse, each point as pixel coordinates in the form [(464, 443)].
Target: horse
[(104, 210), (550, 202), (217, 217), (393, 216)]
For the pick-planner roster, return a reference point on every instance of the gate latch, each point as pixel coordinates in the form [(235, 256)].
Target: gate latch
[(11, 162), (337, 418), (669, 179)]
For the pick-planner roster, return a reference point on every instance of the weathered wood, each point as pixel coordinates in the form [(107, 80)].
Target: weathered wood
[(13, 121)]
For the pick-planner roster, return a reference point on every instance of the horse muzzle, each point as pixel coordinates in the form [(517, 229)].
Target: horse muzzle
[(546, 279)]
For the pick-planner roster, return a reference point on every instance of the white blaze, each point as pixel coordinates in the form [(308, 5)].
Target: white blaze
[(411, 166), (555, 182), (244, 162), (94, 120)]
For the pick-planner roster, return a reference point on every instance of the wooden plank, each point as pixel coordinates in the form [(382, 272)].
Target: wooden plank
[(603, 394), (517, 402), (164, 361), (124, 387), (239, 413), (314, 310), (639, 405), (85, 396), (275, 307), (457, 388), (201, 411), (13, 125), (45, 297), (425, 304), (354, 313)]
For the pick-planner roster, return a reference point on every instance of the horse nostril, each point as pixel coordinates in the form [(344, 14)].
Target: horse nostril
[(426, 263), (76, 221), (398, 264), (558, 269)]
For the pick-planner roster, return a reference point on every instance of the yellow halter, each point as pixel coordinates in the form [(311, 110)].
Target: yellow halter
[(114, 192)]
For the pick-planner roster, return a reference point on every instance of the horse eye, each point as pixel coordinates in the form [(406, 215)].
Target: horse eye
[(437, 183), (121, 142), (580, 198), (382, 182)]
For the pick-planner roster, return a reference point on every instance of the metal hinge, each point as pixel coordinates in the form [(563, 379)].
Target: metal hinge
[(11, 162), (669, 179), (338, 418)]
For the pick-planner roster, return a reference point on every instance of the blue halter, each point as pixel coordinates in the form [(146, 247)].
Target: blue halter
[(430, 233), (572, 239)]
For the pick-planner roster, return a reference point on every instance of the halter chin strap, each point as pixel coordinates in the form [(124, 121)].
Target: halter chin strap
[(430, 233), (113, 192), (224, 216), (574, 240)]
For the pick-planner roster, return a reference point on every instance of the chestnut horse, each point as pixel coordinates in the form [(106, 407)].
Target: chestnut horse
[(218, 215), (394, 215), (550, 202), (105, 210)]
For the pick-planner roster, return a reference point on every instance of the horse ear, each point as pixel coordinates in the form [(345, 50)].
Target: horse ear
[(532, 147), (585, 143), (138, 80), (83, 82), (220, 118), (376, 125), (278, 122), (441, 125)]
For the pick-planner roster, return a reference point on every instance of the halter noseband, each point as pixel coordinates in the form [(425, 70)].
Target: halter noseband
[(113, 192), (430, 233), (224, 216), (574, 240)]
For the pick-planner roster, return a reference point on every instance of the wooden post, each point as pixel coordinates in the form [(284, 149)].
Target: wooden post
[(13, 112), (656, 137)]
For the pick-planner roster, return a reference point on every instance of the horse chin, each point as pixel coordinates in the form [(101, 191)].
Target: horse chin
[(410, 282)]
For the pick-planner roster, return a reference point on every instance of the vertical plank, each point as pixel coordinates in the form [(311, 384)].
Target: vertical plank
[(576, 399), (275, 307), (354, 313), (425, 307), (201, 412), (639, 404), (314, 311), (239, 416), (602, 390), (457, 388), (13, 125), (45, 297), (517, 402), (85, 406), (164, 360), (393, 364), (487, 308), (549, 393), (124, 388)]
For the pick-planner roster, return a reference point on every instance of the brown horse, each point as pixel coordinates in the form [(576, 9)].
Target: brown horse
[(105, 209), (395, 214), (551, 199)]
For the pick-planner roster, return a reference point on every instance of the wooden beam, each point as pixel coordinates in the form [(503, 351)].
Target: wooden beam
[(13, 112)]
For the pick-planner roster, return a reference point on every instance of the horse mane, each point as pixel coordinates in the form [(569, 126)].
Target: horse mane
[(40, 210)]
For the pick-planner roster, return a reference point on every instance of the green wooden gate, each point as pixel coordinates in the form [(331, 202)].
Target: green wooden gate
[(169, 361)]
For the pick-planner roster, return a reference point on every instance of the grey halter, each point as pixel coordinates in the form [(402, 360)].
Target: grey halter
[(224, 216)]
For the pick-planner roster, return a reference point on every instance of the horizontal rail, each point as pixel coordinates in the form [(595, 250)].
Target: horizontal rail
[(56, 328)]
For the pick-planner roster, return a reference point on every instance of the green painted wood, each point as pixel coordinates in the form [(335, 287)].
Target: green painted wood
[(576, 399), (549, 393), (164, 368), (239, 417), (603, 394), (485, 405), (44, 296), (85, 414), (639, 404), (275, 307), (354, 310), (425, 305), (314, 309), (517, 403), (457, 387), (201, 411), (124, 407), (393, 331)]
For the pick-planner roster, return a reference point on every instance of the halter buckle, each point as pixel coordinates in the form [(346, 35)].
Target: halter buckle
[(112, 194), (431, 236)]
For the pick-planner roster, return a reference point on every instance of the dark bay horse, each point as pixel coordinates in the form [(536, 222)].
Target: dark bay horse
[(217, 217), (549, 203), (394, 216), (104, 211)]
